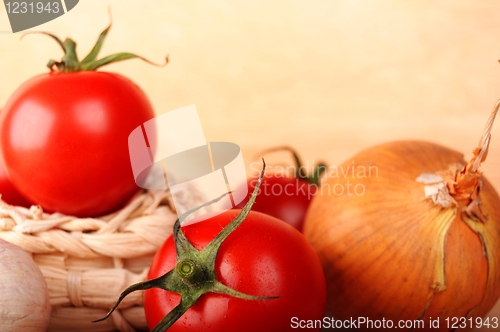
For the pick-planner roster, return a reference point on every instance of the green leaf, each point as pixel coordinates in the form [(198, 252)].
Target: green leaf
[(59, 41), (115, 58), (162, 280), (183, 247), (213, 246), (175, 314), (92, 56), (69, 61), (223, 289), (317, 172)]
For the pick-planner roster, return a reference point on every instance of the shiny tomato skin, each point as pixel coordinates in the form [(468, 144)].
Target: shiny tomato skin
[(264, 256), (9, 193), (64, 138), (285, 198)]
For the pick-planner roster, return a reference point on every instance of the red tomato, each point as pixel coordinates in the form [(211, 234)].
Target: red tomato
[(263, 257), (64, 139), (285, 198), (10, 194)]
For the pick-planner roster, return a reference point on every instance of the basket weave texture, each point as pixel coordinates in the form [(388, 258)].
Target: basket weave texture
[(88, 262)]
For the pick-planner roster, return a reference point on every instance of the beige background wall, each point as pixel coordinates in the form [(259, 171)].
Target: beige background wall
[(329, 77)]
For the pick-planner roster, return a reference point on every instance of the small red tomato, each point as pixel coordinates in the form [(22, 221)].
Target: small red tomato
[(64, 140), (264, 257), (64, 134), (286, 197)]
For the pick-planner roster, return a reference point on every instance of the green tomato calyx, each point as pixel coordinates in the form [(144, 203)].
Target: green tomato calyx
[(70, 63), (186, 268), (314, 177), (194, 273)]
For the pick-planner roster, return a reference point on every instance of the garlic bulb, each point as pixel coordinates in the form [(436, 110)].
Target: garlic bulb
[(24, 298)]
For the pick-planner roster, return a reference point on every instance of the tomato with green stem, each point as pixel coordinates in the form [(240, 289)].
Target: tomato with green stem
[(236, 271), (64, 134), (286, 197)]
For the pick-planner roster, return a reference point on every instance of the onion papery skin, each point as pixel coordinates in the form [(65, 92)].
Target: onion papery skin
[(391, 253)]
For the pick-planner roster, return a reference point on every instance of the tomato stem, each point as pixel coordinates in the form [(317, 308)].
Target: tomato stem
[(70, 63), (315, 176), (186, 268), (194, 273)]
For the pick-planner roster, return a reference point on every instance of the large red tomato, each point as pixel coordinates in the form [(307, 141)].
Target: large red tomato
[(64, 140), (263, 257), (64, 134)]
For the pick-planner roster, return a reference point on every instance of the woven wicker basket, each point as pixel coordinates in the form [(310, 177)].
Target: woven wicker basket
[(88, 262)]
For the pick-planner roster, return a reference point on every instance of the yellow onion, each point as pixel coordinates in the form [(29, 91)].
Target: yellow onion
[(409, 231)]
